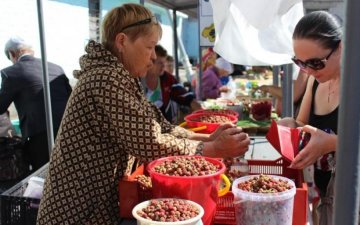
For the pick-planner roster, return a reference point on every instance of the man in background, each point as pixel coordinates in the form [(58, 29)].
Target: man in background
[(22, 84), (169, 67), (165, 91)]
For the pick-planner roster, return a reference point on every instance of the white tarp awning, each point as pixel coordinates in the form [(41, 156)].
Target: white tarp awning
[(256, 32)]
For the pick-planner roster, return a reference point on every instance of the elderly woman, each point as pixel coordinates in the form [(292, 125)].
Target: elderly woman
[(109, 125)]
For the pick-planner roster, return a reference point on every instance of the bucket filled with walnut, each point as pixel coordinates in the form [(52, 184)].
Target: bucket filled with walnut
[(166, 211), (195, 178), (263, 199)]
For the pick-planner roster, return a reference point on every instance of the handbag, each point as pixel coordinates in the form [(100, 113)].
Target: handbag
[(13, 164)]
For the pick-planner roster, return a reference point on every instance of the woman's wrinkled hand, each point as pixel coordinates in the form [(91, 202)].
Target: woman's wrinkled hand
[(319, 144), (230, 142)]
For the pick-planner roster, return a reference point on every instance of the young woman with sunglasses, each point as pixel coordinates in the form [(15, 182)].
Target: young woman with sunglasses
[(317, 47)]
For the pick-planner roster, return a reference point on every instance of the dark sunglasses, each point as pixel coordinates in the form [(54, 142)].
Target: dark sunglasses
[(142, 22), (315, 64)]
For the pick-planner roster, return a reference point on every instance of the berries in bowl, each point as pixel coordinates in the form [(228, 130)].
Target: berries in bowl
[(261, 110), (210, 121), (166, 211)]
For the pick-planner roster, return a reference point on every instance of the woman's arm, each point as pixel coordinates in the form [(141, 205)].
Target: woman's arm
[(275, 91)]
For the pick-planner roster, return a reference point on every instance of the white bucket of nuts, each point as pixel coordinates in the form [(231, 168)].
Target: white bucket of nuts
[(263, 199), (166, 211)]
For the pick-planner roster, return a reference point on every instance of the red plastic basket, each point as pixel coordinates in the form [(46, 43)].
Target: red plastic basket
[(192, 121), (225, 212)]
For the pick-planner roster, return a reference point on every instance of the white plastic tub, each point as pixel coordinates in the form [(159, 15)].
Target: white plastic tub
[(263, 208), (142, 221)]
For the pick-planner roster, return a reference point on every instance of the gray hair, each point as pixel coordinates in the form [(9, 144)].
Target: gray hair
[(15, 44)]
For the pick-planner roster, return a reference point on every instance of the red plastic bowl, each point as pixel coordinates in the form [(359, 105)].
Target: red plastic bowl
[(222, 111), (192, 121), (200, 189)]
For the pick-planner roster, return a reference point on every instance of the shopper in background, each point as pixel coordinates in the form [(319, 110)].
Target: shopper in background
[(225, 65), (211, 86), (109, 125), (165, 91), (169, 66), (22, 83), (317, 46)]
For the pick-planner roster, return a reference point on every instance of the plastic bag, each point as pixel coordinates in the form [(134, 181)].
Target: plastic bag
[(13, 164), (35, 188)]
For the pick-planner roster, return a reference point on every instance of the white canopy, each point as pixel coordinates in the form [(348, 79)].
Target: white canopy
[(256, 32)]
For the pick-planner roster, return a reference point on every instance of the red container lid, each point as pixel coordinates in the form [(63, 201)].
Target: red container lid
[(285, 140)]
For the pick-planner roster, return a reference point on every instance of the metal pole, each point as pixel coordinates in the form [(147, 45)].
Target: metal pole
[(48, 112), (199, 76), (346, 205), (276, 71), (287, 92), (176, 57), (142, 2)]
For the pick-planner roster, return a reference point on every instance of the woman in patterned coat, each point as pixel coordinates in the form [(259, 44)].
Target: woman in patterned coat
[(108, 123)]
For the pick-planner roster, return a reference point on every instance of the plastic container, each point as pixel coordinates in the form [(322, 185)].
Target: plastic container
[(142, 221), (200, 189), (35, 187), (263, 208), (225, 211), (192, 120)]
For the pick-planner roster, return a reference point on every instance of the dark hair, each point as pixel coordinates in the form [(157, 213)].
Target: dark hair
[(320, 26), (160, 51), (169, 58)]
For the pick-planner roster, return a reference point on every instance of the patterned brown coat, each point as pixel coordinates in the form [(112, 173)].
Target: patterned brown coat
[(107, 124)]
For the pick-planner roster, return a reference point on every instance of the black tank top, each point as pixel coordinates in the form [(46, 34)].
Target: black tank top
[(325, 122), (328, 121)]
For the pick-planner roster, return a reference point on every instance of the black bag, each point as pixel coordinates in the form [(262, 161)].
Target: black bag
[(13, 164)]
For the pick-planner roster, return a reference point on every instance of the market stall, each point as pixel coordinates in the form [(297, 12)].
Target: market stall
[(347, 192), (261, 158)]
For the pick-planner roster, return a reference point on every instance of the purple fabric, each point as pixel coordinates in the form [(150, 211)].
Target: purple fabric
[(210, 84)]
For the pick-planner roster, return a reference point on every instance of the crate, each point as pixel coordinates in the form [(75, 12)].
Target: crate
[(19, 210), (225, 212), (130, 193)]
